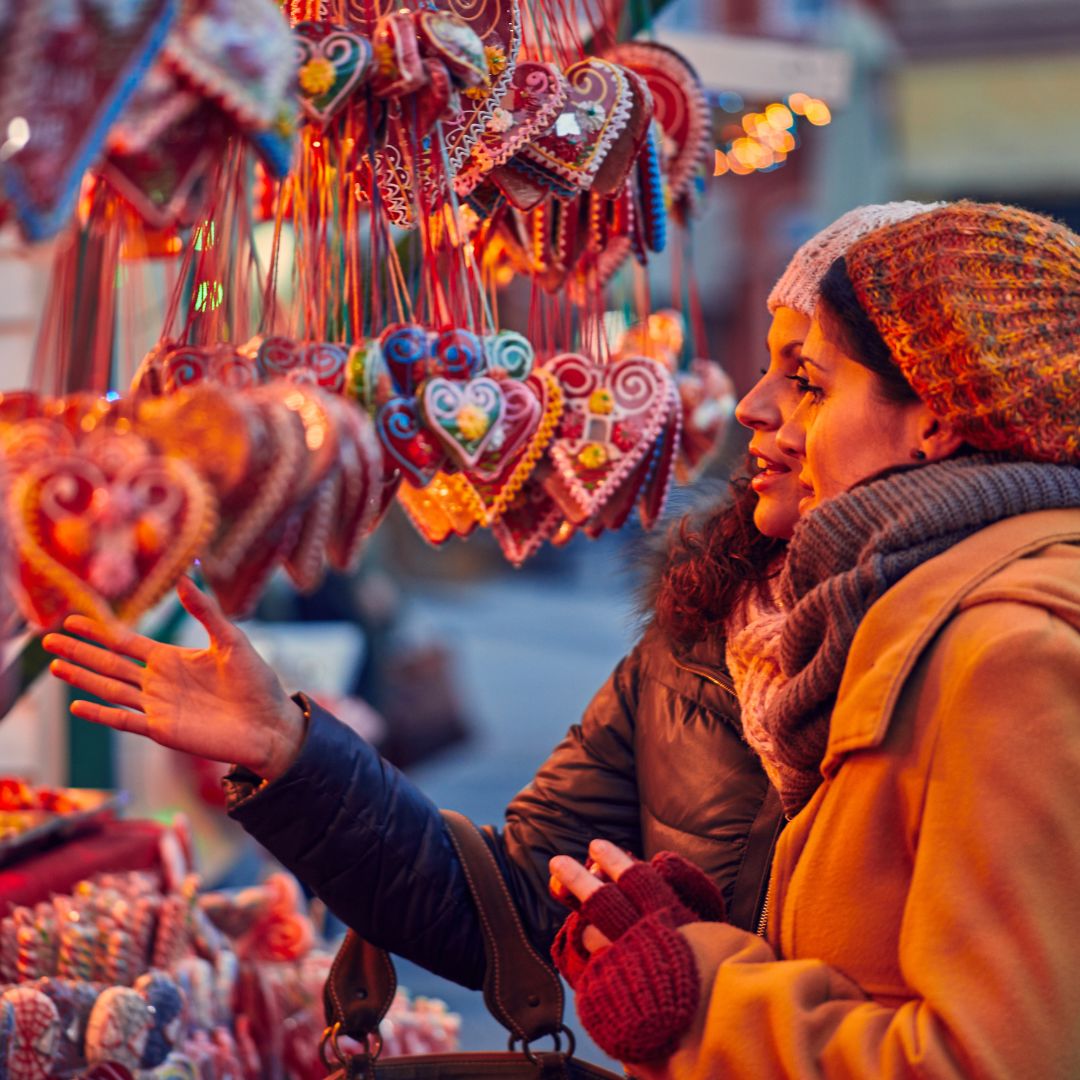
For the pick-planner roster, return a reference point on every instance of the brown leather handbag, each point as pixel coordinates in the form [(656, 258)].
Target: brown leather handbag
[(521, 990)]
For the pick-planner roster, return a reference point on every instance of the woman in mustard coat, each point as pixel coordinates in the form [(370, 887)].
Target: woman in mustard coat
[(924, 895)]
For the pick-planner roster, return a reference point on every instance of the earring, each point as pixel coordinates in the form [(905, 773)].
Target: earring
[(919, 455)]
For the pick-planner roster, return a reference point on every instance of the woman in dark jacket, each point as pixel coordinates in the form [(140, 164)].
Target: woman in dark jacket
[(640, 769)]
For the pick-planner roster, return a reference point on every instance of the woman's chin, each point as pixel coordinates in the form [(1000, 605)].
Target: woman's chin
[(776, 517)]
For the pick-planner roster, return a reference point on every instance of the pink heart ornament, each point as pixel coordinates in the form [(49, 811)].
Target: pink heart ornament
[(613, 416), (594, 115)]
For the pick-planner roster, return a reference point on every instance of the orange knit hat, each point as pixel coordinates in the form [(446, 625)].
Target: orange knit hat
[(980, 307)]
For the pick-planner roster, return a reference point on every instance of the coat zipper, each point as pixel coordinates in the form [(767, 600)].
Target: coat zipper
[(722, 681), (763, 919)]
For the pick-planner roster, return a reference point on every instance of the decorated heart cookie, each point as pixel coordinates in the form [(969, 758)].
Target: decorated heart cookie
[(530, 519), (331, 62), (97, 534), (536, 93), (680, 107), (166, 180), (464, 416), (359, 493), (533, 410), (68, 72), (613, 416), (409, 445), (405, 350), (240, 53), (596, 112)]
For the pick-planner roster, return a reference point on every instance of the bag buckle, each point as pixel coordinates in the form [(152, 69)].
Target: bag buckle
[(373, 1044), (526, 1044)]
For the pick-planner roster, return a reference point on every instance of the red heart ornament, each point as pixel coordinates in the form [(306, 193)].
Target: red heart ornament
[(622, 154), (264, 498), (359, 501), (531, 518), (533, 409), (104, 533), (680, 107), (450, 38), (67, 77), (331, 63), (657, 486), (596, 112), (612, 417), (408, 444)]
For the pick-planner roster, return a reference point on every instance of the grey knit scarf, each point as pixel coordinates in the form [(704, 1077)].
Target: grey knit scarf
[(853, 548)]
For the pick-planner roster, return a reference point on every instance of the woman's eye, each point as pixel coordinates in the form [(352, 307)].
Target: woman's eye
[(806, 386)]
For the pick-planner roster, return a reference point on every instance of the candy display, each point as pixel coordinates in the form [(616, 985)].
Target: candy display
[(121, 978)]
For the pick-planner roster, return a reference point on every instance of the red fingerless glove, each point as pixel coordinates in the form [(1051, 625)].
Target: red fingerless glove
[(639, 997), (666, 881)]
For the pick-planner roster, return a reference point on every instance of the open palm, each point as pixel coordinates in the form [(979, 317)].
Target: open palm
[(221, 702)]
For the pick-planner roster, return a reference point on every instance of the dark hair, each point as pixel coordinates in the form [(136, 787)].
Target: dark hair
[(848, 325), (712, 561)]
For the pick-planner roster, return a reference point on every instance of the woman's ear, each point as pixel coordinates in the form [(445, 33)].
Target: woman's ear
[(937, 438)]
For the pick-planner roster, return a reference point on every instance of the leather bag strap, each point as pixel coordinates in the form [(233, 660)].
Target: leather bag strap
[(521, 990)]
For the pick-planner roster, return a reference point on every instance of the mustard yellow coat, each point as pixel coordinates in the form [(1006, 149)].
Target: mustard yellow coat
[(925, 905)]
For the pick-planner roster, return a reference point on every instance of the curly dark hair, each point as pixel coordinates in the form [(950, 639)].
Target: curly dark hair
[(712, 559)]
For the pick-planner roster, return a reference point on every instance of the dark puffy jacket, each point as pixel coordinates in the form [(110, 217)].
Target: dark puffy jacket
[(657, 763)]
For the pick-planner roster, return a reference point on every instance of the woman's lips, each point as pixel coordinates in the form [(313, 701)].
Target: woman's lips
[(769, 473)]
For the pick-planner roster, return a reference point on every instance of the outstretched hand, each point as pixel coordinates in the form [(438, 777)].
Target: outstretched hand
[(222, 702)]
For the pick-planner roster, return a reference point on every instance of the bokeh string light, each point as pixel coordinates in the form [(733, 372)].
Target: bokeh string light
[(761, 141)]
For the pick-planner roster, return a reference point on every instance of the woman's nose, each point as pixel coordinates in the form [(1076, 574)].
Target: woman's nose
[(791, 436), (757, 409)]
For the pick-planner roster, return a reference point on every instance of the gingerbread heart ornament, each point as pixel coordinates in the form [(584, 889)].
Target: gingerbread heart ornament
[(408, 444), (532, 517), (68, 71), (596, 111), (536, 94), (100, 538), (446, 507), (331, 63), (533, 410), (238, 52), (465, 416), (680, 107), (614, 414)]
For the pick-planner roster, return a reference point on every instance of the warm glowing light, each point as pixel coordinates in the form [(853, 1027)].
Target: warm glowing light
[(736, 166), (779, 117), (798, 102), (752, 121), (18, 135), (817, 112), (720, 163)]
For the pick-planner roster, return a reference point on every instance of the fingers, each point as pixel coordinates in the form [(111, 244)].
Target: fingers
[(119, 719), (202, 607), (112, 690), (592, 940), (88, 656), (574, 876), (612, 860), (112, 635)]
